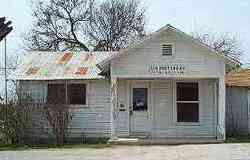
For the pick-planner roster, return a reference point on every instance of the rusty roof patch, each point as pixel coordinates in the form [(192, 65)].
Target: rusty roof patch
[(81, 70), (48, 67), (65, 58), (86, 57), (32, 71), (89, 57)]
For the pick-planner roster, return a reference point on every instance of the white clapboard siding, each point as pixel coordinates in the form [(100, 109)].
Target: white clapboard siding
[(92, 119), (208, 113), (164, 114), (163, 108), (33, 91), (199, 65), (121, 123), (198, 61)]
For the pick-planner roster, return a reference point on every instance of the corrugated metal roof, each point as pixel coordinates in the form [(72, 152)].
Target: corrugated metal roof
[(54, 65), (238, 79)]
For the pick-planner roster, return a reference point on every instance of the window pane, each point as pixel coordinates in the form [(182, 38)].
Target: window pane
[(77, 94), (187, 112), (140, 99), (187, 92), (56, 94)]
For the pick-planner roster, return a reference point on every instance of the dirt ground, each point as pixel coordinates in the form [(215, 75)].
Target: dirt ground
[(237, 151)]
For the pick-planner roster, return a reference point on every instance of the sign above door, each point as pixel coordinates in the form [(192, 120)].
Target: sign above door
[(166, 69)]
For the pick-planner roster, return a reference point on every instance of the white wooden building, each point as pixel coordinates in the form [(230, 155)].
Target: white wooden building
[(168, 85)]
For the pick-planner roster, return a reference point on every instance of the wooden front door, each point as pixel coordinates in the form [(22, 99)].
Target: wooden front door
[(140, 121)]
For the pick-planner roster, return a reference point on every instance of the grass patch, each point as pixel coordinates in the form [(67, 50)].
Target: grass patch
[(238, 139), (44, 146), (100, 142), (51, 146), (5, 147)]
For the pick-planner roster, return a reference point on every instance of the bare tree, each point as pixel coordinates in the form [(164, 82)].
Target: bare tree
[(115, 23), (59, 118), (226, 43), (5, 28), (85, 24), (59, 25)]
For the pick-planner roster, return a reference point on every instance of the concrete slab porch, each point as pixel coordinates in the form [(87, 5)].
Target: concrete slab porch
[(162, 141)]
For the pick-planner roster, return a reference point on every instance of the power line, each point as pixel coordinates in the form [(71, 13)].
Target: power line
[(10, 68)]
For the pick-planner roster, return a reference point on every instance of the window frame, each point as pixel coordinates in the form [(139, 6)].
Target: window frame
[(173, 49), (68, 94), (147, 99), (175, 101), (87, 88)]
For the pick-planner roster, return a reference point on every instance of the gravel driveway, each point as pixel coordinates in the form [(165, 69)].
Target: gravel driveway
[(187, 152)]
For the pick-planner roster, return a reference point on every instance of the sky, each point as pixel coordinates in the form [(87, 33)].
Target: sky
[(222, 16)]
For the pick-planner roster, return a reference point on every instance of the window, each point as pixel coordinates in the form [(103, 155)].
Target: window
[(187, 102), (56, 94), (140, 99), (76, 94), (167, 50)]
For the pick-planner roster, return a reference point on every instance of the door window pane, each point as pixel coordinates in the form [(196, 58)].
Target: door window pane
[(140, 99)]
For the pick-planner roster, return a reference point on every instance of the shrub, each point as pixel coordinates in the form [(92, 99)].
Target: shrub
[(14, 120)]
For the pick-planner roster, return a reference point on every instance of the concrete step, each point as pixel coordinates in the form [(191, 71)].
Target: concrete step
[(162, 141)]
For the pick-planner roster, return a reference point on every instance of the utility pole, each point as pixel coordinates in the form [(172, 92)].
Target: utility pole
[(5, 29), (5, 71)]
